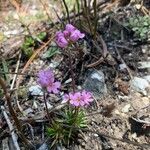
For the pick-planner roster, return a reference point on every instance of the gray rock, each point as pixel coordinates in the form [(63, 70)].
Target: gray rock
[(95, 83), (35, 90), (140, 85), (43, 147)]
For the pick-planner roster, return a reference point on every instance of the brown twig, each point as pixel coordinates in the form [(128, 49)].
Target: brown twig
[(17, 73), (129, 72), (13, 135), (13, 113), (99, 61), (86, 14), (104, 46), (105, 52), (77, 15), (108, 136)]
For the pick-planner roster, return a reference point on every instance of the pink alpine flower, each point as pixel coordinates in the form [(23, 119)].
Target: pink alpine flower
[(79, 98), (76, 35), (70, 28), (87, 97), (47, 81), (61, 40), (69, 35)]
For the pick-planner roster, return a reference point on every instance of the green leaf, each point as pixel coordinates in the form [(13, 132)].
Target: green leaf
[(145, 23), (42, 35), (142, 35), (29, 41), (51, 52), (28, 51), (5, 69)]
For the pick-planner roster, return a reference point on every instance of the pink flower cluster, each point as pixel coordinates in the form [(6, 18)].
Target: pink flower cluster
[(79, 98), (69, 35), (46, 80)]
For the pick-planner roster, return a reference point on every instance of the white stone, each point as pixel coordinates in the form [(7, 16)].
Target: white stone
[(122, 66), (144, 64), (140, 85), (147, 78), (97, 76), (126, 108), (36, 90)]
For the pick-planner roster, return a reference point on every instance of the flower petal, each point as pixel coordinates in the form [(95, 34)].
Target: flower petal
[(70, 28)]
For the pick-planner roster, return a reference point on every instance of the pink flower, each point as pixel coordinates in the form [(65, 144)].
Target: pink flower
[(76, 99), (45, 77), (69, 35), (66, 98), (79, 98), (87, 97), (53, 87), (46, 80), (60, 40), (76, 35), (59, 33), (70, 28)]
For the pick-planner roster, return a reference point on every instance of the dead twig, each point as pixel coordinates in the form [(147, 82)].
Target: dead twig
[(141, 121), (129, 72), (17, 73), (13, 135), (104, 46), (110, 137), (95, 63), (13, 113), (105, 52)]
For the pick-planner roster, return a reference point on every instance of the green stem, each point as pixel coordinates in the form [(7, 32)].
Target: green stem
[(67, 10)]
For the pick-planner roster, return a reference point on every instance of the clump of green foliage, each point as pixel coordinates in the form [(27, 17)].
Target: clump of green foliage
[(61, 130), (140, 25), (30, 43), (27, 47)]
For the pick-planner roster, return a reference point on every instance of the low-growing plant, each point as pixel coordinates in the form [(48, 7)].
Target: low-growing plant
[(30, 43), (61, 129), (140, 25), (28, 46)]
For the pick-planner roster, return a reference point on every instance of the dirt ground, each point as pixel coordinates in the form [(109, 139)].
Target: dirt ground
[(123, 113)]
